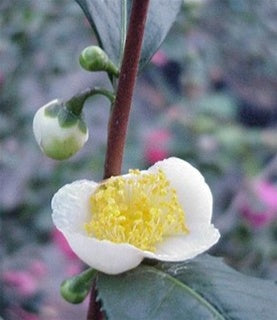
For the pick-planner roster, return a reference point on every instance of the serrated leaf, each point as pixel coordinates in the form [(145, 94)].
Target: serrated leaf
[(105, 19), (202, 289)]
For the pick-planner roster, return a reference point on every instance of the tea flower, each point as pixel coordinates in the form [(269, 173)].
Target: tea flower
[(59, 132), (162, 213)]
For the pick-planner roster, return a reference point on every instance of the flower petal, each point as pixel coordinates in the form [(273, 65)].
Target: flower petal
[(183, 247), (195, 198), (103, 255), (70, 207), (193, 193)]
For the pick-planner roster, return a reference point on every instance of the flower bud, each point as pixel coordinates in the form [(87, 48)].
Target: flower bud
[(93, 58), (59, 132), (76, 289)]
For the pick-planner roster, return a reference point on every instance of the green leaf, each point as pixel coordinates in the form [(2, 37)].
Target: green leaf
[(202, 289), (105, 19)]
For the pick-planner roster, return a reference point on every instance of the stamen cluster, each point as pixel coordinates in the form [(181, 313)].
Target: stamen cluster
[(140, 209)]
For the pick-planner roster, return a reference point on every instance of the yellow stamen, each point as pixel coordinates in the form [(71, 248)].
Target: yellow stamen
[(141, 210)]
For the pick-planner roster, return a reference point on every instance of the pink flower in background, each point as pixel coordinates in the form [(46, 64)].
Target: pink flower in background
[(38, 268), (18, 313), (62, 244), (266, 213), (156, 147), (257, 219), (74, 266), (22, 281), (268, 194), (159, 59)]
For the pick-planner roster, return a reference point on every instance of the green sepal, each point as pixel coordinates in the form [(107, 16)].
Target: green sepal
[(82, 126), (66, 118), (53, 110), (75, 290)]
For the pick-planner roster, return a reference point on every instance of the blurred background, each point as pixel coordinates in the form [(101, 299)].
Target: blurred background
[(208, 96)]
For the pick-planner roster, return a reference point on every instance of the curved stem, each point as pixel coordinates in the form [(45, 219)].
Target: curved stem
[(76, 103), (104, 92), (120, 113)]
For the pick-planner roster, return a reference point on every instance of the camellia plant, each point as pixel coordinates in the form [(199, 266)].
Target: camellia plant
[(142, 234)]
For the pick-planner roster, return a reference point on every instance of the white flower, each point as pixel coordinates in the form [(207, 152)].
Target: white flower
[(164, 211), (58, 132)]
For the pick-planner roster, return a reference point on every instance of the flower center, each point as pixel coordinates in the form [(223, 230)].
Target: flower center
[(141, 210)]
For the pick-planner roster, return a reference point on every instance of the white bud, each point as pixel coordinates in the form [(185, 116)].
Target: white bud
[(58, 132)]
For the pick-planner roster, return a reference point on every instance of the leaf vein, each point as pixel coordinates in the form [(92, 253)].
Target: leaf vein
[(203, 300)]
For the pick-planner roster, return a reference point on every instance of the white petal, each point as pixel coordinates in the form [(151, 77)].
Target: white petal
[(104, 255), (193, 193), (195, 198), (183, 247), (70, 207)]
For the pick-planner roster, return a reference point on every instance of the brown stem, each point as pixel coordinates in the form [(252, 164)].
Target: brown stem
[(120, 114), (118, 122), (94, 312)]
